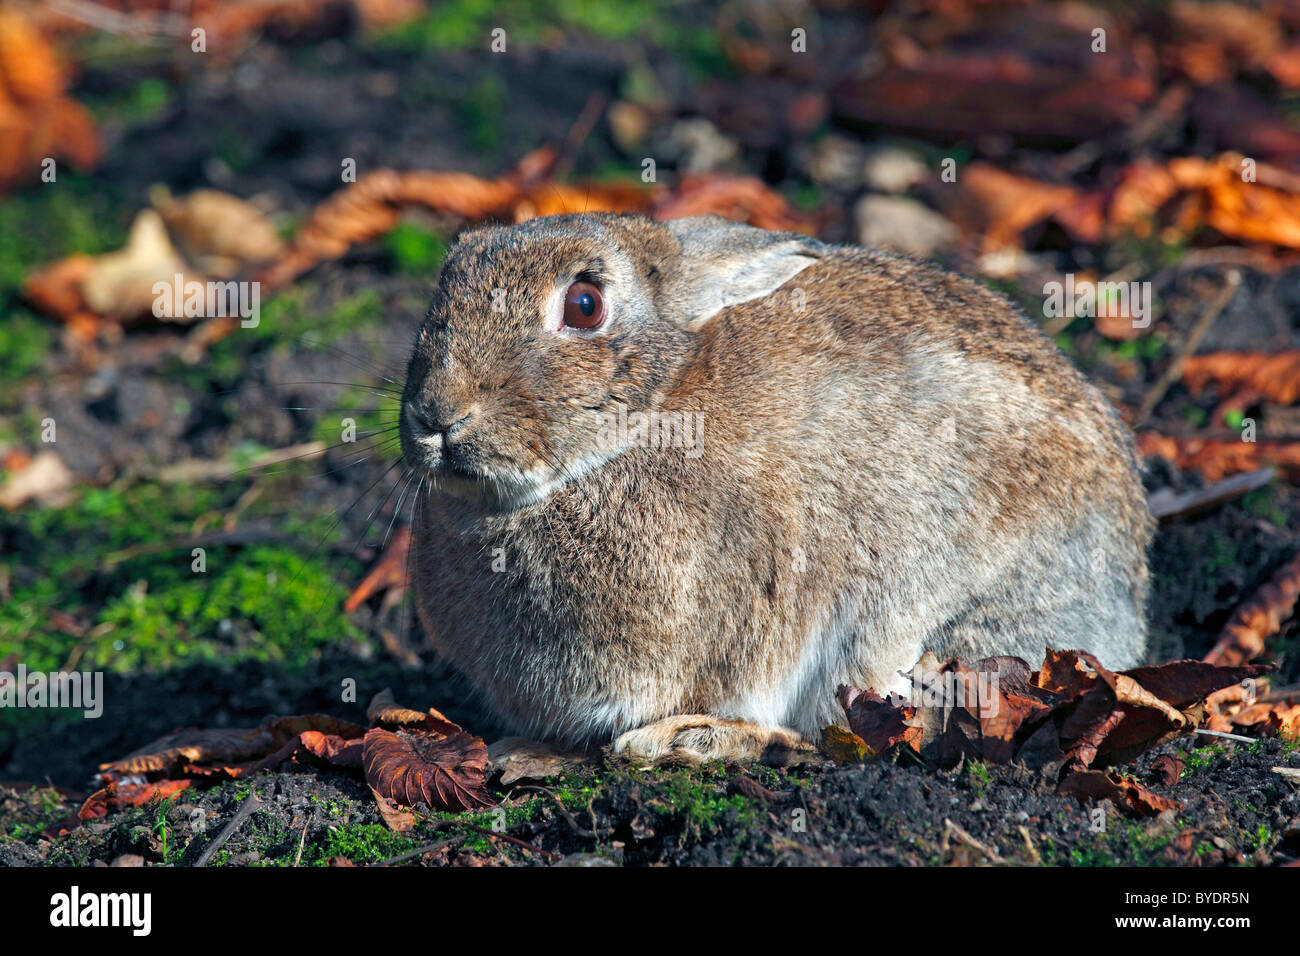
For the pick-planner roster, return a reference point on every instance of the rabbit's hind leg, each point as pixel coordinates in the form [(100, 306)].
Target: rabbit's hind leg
[(691, 739)]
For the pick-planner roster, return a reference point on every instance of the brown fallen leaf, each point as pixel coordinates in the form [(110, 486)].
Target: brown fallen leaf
[(1273, 375), (879, 723), (388, 574), (1209, 193), (192, 750), (396, 818), (116, 796), (1128, 795), (386, 712), (1219, 458), (37, 120), (43, 479), (219, 233), (1244, 636), (120, 285), (411, 767), (844, 746), (1168, 768)]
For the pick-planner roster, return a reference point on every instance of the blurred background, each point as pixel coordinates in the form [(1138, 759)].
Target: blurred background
[(327, 151)]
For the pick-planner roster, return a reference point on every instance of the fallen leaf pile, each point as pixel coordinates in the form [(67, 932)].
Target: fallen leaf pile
[(1071, 720), (37, 118), (407, 758)]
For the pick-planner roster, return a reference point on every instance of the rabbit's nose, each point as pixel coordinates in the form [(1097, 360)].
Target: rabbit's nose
[(445, 426)]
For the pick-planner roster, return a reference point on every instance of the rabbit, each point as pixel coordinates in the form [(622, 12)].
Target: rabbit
[(688, 477)]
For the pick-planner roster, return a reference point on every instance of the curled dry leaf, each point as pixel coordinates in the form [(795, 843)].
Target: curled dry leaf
[(396, 818), (117, 796), (43, 478), (228, 752), (1275, 376), (36, 119), (388, 574), (411, 767), (221, 236), (1259, 618), (1168, 768), (220, 233), (384, 711), (880, 724), (1128, 795), (1219, 458), (1069, 715), (373, 205), (1211, 193)]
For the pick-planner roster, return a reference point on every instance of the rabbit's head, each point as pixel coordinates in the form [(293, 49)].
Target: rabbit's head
[(537, 333)]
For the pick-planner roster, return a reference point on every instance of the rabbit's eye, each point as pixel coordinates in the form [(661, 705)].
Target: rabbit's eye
[(584, 306)]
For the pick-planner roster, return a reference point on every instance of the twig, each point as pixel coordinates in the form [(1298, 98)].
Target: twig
[(249, 805), (1194, 338), (302, 842), (570, 818), (420, 851), (1225, 735), (1165, 504), (964, 837), (1029, 844)]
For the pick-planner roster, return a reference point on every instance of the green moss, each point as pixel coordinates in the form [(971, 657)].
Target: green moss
[(1201, 757), (146, 100), (121, 551), (24, 343), (467, 24), (416, 250), (980, 777), (1264, 503), (50, 220)]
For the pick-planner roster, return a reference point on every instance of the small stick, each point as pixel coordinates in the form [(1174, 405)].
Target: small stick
[(302, 842), (420, 851), (1225, 735), (251, 804), (1194, 338), (964, 837)]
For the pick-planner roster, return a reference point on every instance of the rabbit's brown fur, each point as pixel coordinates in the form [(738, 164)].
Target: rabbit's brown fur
[(893, 460)]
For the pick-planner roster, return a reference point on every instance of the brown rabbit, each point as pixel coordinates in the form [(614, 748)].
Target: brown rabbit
[(690, 476)]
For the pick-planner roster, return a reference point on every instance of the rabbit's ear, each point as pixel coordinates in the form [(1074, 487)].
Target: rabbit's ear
[(724, 263)]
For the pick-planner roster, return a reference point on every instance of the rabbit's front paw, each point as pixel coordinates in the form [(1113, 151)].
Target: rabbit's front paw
[(695, 738)]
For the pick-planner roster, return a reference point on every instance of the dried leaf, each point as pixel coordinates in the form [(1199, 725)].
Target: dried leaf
[(1274, 375), (219, 233), (410, 767), (385, 712), (1168, 768), (1217, 458), (879, 723), (1243, 637), (396, 818), (44, 479), (844, 746), (1127, 795), (120, 285), (116, 796), (388, 574)]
